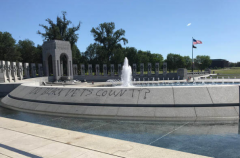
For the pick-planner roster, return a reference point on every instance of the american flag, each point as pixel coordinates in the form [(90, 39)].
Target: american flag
[(197, 41)]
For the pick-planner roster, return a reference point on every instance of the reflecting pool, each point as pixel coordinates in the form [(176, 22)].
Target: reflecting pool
[(210, 138)]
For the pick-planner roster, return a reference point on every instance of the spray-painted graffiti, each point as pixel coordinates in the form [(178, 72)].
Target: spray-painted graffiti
[(75, 92)]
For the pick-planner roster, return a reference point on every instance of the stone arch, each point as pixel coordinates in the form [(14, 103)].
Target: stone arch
[(64, 66), (50, 65), (58, 49)]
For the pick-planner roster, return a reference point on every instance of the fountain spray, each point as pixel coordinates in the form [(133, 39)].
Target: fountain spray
[(126, 74)]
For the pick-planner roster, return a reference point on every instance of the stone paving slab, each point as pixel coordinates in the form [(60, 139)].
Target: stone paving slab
[(45, 141), (10, 154)]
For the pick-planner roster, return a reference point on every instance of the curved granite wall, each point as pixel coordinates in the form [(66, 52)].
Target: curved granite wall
[(137, 103)]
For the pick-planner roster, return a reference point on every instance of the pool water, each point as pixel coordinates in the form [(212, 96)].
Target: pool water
[(219, 139)]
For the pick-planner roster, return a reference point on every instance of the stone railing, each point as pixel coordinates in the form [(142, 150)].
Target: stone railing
[(90, 69), (14, 71), (115, 72)]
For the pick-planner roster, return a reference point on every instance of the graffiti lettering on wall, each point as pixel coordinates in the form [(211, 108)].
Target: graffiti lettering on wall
[(75, 92)]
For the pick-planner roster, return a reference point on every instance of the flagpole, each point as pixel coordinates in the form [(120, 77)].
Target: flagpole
[(192, 55)]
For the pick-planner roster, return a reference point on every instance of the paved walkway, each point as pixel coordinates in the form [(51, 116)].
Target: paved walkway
[(20, 139)]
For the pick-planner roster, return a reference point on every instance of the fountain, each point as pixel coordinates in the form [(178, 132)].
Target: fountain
[(128, 101), (126, 74)]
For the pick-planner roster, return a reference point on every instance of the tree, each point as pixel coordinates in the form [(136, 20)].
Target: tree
[(174, 61), (202, 61), (76, 55), (231, 64), (155, 58), (187, 62), (131, 54), (238, 64), (170, 61), (8, 49), (38, 58), (60, 30), (29, 53), (91, 52), (143, 57), (118, 56), (105, 36)]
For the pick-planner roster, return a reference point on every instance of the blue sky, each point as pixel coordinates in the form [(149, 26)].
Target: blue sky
[(156, 25)]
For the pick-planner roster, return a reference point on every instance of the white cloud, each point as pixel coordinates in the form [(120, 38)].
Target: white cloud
[(189, 24)]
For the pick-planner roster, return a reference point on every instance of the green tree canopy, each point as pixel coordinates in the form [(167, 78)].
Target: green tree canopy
[(131, 54), (105, 36), (187, 62), (143, 57), (76, 55), (29, 53), (60, 30), (39, 54), (174, 61), (118, 56), (155, 58), (8, 49), (202, 61), (238, 64), (232, 64), (91, 52)]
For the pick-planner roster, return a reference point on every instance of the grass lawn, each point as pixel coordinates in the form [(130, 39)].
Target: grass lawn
[(227, 72), (194, 70)]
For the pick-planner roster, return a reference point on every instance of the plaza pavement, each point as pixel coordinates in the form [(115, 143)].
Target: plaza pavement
[(19, 139)]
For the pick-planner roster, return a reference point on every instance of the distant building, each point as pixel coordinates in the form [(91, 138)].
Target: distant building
[(222, 63)]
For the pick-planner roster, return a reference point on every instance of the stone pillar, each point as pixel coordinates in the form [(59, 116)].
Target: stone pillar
[(149, 69), (164, 70), (97, 69), (57, 70), (141, 69), (40, 70), (8, 71), (33, 70), (1, 66), (156, 69), (207, 70), (182, 73), (14, 71), (26, 70), (75, 70), (20, 70), (105, 70), (70, 69), (82, 70), (90, 69), (112, 70), (134, 69), (61, 69), (3, 71), (119, 69)]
